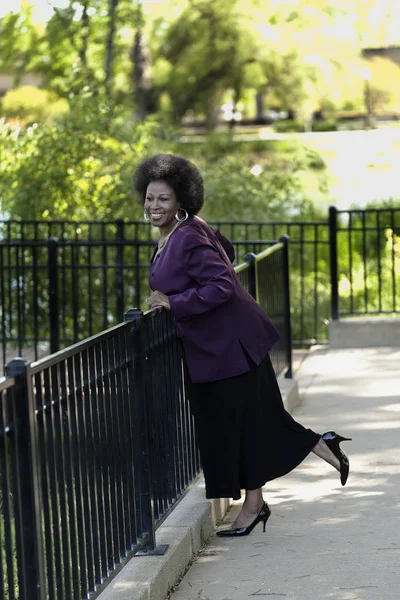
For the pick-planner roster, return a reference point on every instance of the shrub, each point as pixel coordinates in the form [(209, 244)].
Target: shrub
[(30, 104)]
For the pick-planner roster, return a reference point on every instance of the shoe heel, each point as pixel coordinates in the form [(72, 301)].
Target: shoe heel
[(265, 521), (264, 525)]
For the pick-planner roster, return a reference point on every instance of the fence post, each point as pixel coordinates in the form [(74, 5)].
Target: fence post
[(135, 316), (119, 275), (250, 258), (27, 502), (286, 285), (53, 296), (333, 262)]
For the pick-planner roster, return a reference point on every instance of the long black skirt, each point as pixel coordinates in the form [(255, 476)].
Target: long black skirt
[(245, 435)]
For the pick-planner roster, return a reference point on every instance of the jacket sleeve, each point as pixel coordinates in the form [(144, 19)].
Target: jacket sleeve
[(216, 281), (226, 244)]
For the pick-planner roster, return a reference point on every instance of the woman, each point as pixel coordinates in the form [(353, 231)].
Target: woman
[(245, 436)]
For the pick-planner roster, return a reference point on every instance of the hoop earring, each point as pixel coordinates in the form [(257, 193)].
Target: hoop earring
[(183, 218), (146, 217)]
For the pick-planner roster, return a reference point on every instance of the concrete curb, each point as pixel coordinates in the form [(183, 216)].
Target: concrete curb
[(186, 531), (364, 332)]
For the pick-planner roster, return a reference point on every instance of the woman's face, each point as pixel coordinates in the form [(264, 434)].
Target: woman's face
[(161, 205)]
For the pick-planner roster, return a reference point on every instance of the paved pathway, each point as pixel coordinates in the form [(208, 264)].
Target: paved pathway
[(324, 541)]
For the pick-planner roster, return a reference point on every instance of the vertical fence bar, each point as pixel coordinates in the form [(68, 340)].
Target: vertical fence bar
[(89, 279), (7, 531), (378, 250), (69, 480), (137, 275), (27, 502), (350, 238), (286, 287), (3, 308), (316, 231), (134, 316), (105, 279), (25, 285), (65, 297), (302, 281), (364, 252), (147, 497), (35, 297), (53, 296), (250, 258), (393, 268), (119, 276), (42, 434), (19, 304), (75, 292), (333, 262), (9, 262)]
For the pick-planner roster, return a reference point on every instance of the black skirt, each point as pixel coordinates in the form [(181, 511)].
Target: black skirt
[(245, 435)]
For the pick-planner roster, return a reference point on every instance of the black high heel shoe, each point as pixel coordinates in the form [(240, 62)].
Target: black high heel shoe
[(332, 440), (263, 516)]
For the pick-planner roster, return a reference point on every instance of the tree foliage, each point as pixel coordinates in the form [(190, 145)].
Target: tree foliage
[(77, 166), (30, 104), (186, 57)]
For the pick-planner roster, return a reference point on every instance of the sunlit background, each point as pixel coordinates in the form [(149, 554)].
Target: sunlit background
[(316, 82)]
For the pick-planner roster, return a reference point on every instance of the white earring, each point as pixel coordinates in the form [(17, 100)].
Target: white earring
[(146, 216), (183, 218)]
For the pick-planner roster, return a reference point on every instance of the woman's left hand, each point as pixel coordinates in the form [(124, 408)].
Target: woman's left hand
[(158, 299)]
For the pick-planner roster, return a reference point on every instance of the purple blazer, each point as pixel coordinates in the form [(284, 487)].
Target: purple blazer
[(215, 316)]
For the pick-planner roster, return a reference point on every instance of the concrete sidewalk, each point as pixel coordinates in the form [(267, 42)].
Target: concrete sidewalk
[(324, 541)]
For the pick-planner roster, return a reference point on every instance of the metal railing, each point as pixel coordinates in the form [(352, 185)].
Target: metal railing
[(266, 278), (54, 292), (95, 270), (365, 263), (97, 444)]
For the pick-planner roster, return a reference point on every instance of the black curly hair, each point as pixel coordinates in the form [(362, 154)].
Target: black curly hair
[(181, 174)]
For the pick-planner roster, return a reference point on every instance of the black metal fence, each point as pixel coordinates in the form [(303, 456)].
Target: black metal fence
[(266, 278), (56, 291), (365, 261), (88, 273), (97, 443)]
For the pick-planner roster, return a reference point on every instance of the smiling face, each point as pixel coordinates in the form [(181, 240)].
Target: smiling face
[(161, 205)]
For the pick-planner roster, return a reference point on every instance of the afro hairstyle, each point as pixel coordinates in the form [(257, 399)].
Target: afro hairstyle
[(181, 174)]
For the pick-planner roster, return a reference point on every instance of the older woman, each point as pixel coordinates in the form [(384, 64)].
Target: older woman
[(245, 435)]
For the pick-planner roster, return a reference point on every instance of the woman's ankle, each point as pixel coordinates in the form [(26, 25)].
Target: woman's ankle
[(253, 501)]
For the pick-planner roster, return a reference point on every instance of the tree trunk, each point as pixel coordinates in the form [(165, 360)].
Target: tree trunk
[(108, 69), (259, 107), (140, 86), (212, 110), (85, 20)]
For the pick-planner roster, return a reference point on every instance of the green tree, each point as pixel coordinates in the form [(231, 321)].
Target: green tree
[(197, 56), (22, 43), (29, 104), (78, 166)]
